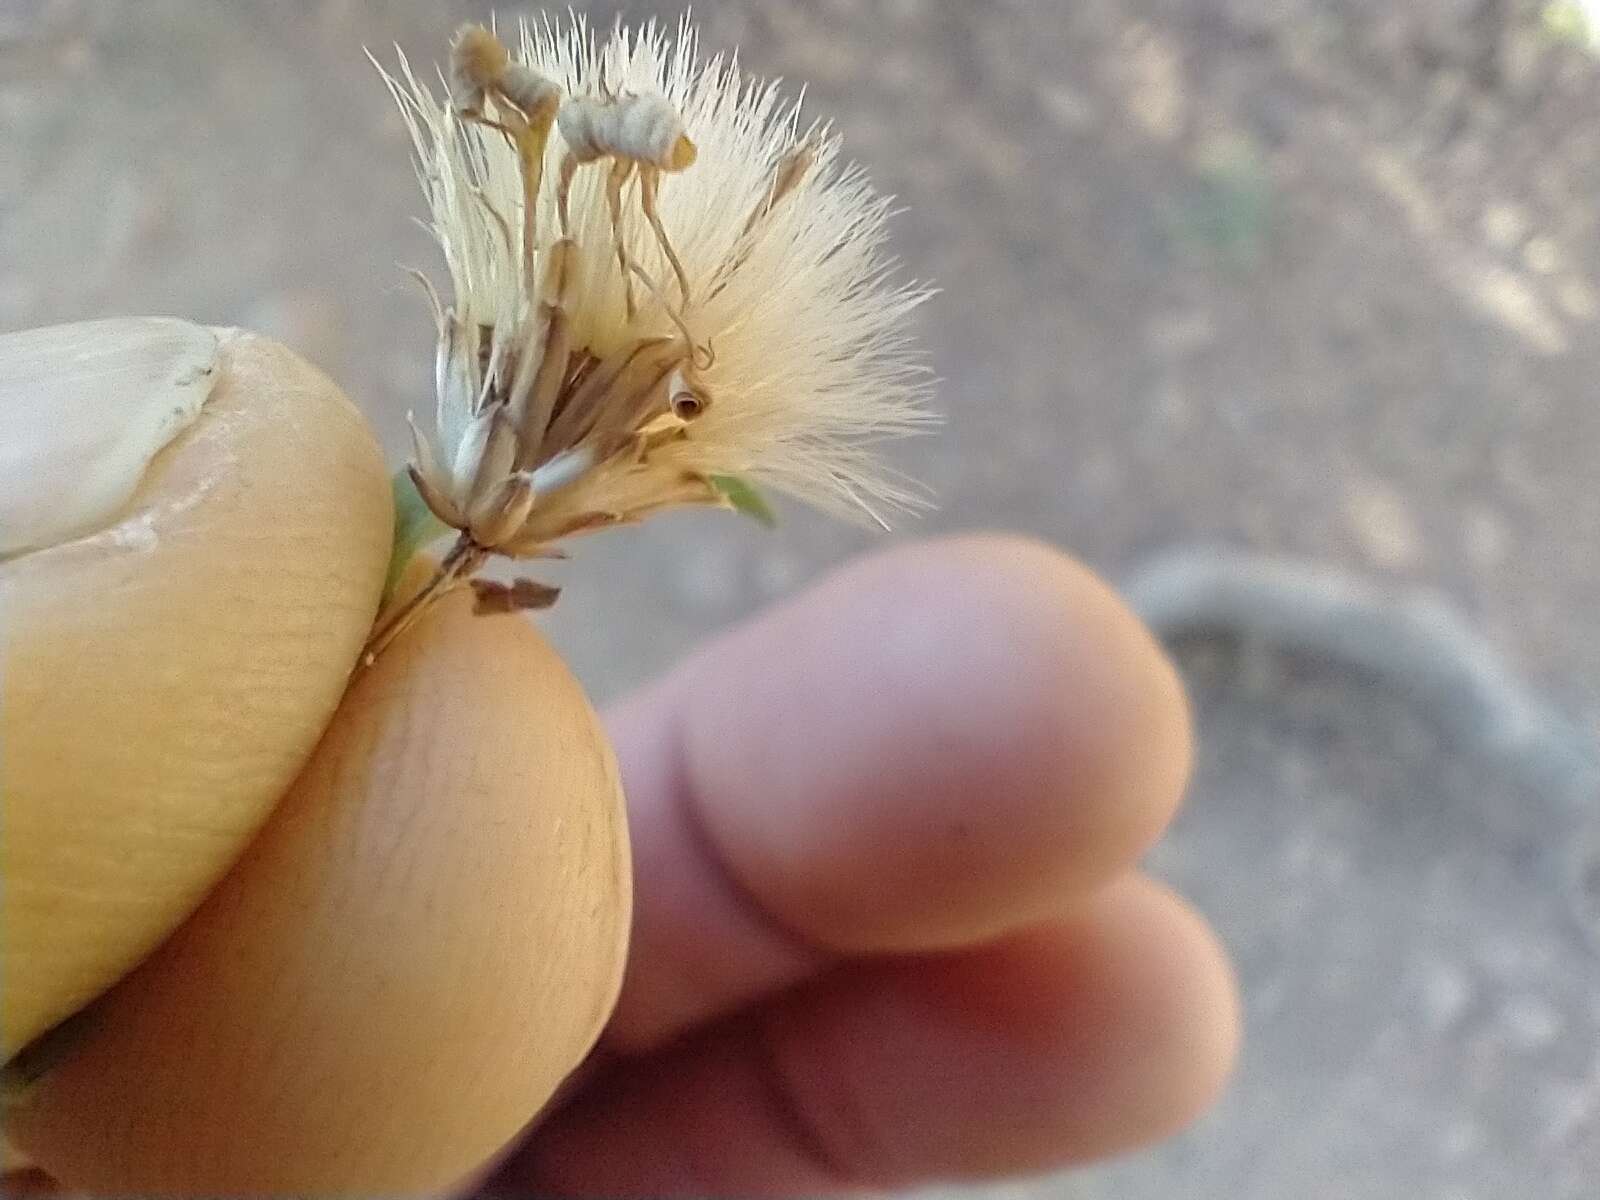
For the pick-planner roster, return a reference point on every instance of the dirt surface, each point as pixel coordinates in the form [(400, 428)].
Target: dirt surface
[(1318, 278)]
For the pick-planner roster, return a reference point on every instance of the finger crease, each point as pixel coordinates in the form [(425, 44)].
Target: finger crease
[(793, 1115)]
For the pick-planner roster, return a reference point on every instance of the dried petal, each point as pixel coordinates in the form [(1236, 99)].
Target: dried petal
[(621, 373), (470, 453), (499, 516), (519, 596), (456, 387), (562, 470), (440, 503), (499, 457), (426, 462)]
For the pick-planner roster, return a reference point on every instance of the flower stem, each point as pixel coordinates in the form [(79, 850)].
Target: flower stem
[(463, 559)]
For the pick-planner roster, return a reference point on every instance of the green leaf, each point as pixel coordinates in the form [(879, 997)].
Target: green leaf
[(744, 497), (414, 527)]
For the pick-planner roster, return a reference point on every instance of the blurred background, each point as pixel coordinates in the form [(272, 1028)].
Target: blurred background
[(1315, 279)]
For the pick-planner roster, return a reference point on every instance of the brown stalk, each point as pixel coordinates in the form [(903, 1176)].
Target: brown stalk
[(465, 557)]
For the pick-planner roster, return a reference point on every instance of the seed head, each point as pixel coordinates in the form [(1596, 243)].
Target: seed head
[(660, 283)]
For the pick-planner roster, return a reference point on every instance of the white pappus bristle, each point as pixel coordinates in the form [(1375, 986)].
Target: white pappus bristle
[(694, 294), (798, 329)]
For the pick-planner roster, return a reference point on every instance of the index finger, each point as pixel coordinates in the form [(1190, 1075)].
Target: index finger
[(936, 746)]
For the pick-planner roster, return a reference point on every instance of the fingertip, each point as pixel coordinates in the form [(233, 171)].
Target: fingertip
[(437, 908), (1178, 1025), (1068, 1042), (168, 673), (1101, 727), (1001, 735)]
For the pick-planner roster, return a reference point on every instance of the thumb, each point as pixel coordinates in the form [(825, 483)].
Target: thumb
[(194, 529)]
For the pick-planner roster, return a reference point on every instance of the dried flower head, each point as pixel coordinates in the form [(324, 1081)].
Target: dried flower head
[(662, 289)]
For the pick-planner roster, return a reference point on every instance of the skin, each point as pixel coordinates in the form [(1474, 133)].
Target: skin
[(889, 924)]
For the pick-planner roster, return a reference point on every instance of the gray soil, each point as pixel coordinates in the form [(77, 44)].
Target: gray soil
[(1314, 278)]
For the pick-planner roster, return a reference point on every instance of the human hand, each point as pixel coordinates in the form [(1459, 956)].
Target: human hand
[(889, 927)]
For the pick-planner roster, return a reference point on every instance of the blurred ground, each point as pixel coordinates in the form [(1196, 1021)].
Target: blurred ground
[(1314, 277)]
